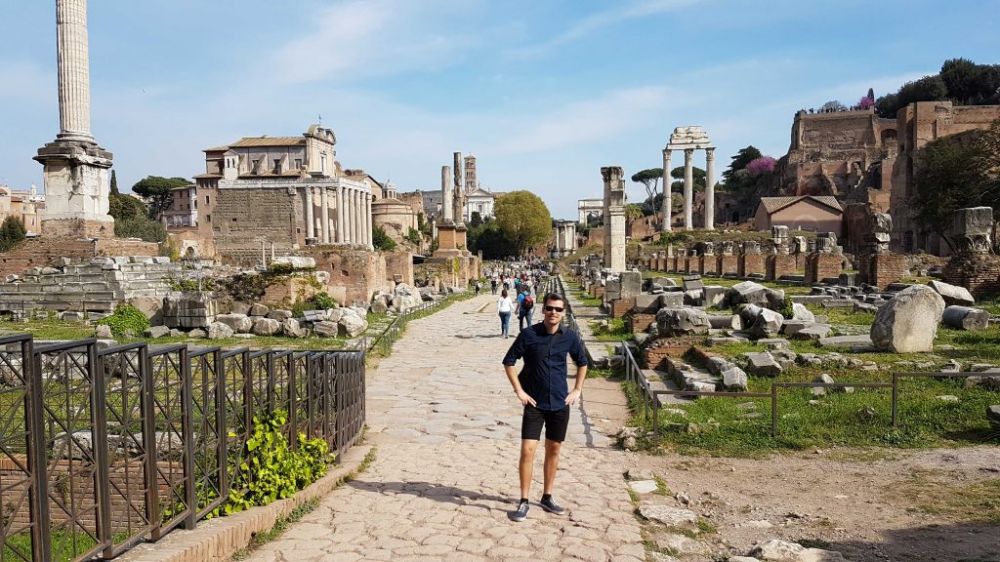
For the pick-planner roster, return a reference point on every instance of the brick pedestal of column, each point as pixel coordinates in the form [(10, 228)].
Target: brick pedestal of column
[(751, 264), (620, 307), (778, 266), (822, 266), (708, 265), (881, 270), (979, 273), (727, 265)]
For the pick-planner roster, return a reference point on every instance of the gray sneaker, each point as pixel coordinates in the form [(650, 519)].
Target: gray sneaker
[(519, 514), (552, 507)]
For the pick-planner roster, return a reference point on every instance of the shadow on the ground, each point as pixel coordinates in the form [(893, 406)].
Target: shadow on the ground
[(477, 336), (436, 492), (958, 542)]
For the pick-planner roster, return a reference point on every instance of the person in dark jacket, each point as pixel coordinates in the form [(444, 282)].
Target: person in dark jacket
[(542, 389)]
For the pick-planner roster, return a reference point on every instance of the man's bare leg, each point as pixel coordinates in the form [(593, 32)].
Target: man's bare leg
[(526, 463), (551, 465)]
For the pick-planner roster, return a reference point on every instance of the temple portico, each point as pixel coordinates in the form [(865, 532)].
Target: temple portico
[(689, 139), (337, 214)]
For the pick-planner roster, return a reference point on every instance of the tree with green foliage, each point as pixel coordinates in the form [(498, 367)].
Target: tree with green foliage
[(698, 175), (650, 179), (157, 192), (381, 241), (141, 227), (414, 237), (634, 211), (524, 219), (740, 161), (476, 219), (124, 206), (957, 172), (928, 88), (12, 231)]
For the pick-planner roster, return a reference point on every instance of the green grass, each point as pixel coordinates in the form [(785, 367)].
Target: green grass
[(614, 332)]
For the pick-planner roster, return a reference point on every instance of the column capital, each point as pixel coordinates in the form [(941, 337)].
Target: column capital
[(710, 152), (688, 152)]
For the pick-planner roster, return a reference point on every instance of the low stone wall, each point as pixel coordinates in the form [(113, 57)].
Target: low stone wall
[(979, 273), (47, 251), (779, 266), (882, 270), (751, 264), (620, 307), (823, 266), (355, 274)]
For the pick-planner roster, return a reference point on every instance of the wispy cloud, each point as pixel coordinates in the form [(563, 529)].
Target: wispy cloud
[(372, 37), (584, 121), (583, 27)]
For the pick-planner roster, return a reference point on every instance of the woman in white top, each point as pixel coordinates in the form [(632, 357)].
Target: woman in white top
[(504, 308)]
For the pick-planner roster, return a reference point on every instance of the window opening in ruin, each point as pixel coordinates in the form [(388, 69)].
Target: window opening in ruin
[(298, 163), (206, 199), (277, 166), (255, 166), (208, 218)]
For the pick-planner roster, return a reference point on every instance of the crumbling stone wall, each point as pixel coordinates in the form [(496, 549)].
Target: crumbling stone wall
[(45, 251), (823, 266), (242, 218), (401, 264), (355, 274)]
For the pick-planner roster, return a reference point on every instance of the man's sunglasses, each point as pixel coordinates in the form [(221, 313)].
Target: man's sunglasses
[(553, 308)]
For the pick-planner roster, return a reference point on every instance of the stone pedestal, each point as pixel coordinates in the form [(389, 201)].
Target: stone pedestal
[(614, 218), (727, 265), (882, 270), (77, 184), (778, 266), (708, 265), (751, 264), (820, 266)]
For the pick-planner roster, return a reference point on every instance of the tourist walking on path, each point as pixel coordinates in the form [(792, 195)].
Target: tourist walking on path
[(493, 285), (541, 387), (504, 308), (525, 306)]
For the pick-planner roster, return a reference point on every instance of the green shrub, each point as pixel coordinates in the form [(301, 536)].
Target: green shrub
[(141, 227), (127, 321), (271, 470), (319, 301), (11, 233), (381, 240), (413, 235)]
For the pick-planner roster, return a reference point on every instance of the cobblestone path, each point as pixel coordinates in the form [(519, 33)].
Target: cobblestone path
[(446, 425)]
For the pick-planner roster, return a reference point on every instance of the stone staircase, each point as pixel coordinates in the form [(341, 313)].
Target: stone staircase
[(97, 286)]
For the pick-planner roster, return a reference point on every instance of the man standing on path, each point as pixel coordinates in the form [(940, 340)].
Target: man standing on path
[(541, 387)]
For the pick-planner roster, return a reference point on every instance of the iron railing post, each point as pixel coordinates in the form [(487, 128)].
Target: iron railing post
[(99, 418), (147, 392), (219, 364), (37, 453), (293, 404), (187, 429)]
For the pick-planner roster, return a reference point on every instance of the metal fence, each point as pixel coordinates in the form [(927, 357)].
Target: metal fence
[(103, 449)]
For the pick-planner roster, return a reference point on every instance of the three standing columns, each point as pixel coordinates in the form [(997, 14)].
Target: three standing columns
[(667, 209)]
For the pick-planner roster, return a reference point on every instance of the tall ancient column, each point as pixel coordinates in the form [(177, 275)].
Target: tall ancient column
[(447, 208), (77, 182), (368, 221), (340, 214), (359, 209), (74, 70), (325, 213), (668, 194), (688, 188), (309, 212), (614, 218), (352, 217), (710, 188), (459, 200)]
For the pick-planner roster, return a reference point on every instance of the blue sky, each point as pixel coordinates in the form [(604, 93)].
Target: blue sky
[(543, 92)]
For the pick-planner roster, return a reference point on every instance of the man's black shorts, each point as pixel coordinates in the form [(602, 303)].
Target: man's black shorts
[(555, 423)]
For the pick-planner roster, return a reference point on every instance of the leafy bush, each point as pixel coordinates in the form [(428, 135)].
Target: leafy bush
[(271, 470), (141, 227), (319, 301), (413, 235), (127, 321), (11, 232), (381, 240)]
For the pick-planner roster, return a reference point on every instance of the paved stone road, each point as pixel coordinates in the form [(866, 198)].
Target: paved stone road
[(446, 425)]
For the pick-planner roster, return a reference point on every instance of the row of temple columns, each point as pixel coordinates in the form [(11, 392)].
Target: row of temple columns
[(352, 224), (689, 189)]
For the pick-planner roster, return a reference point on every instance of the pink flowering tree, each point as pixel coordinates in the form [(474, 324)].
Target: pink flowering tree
[(760, 166), (866, 103)]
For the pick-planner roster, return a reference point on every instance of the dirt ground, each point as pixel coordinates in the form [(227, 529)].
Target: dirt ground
[(868, 504)]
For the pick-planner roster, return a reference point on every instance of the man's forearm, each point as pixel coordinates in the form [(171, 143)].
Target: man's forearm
[(581, 375), (512, 377)]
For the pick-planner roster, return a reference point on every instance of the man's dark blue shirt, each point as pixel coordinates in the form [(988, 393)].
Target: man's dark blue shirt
[(544, 374)]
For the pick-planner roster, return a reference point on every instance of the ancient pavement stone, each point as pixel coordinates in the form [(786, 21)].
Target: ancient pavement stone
[(446, 425)]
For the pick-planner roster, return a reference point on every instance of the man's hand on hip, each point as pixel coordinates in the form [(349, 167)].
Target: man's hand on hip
[(525, 399)]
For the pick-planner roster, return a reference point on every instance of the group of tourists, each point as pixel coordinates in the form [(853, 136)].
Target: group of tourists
[(541, 386)]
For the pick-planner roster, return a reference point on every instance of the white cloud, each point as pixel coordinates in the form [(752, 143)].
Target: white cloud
[(374, 37), (603, 19)]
